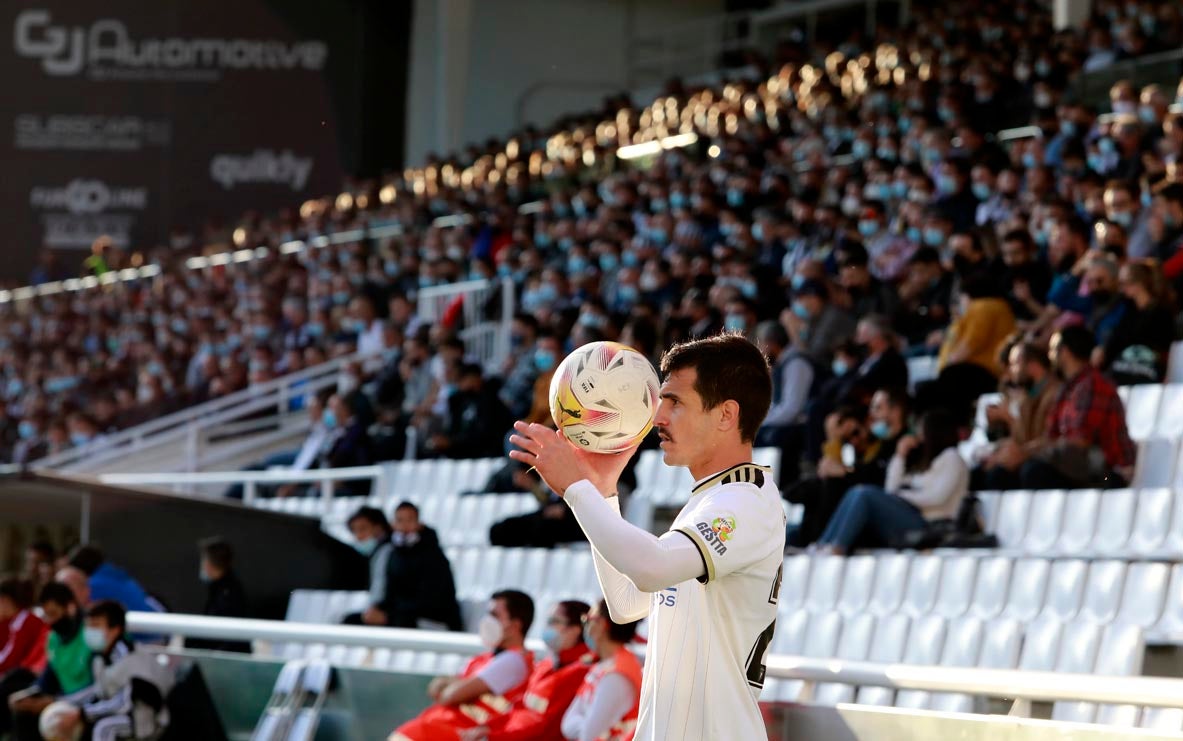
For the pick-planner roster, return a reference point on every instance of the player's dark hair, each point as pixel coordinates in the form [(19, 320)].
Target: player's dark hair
[(18, 591), (57, 593), (518, 605), (407, 505), (618, 632), (728, 367), (110, 611), (573, 611)]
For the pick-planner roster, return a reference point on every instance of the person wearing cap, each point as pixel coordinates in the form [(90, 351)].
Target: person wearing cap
[(814, 324)]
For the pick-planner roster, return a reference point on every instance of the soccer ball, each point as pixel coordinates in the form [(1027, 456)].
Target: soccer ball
[(603, 397)]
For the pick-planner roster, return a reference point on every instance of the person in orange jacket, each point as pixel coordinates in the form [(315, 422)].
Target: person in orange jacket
[(552, 685), (489, 685), (606, 706)]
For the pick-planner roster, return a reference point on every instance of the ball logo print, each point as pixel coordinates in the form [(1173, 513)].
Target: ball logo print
[(603, 397)]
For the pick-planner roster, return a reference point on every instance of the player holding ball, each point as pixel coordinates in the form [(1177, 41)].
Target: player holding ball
[(709, 586)]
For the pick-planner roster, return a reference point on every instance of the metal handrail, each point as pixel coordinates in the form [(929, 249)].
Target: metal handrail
[(1005, 683), (250, 480), (195, 419)]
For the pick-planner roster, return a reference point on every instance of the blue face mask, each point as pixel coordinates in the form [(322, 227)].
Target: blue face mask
[(658, 205), (1029, 160), (758, 232), (627, 294), (608, 262), (1068, 128), (861, 149), (800, 310), (868, 227), (544, 360), (880, 430), (946, 184), (659, 236), (366, 547), (314, 329), (1147, 114), (576, 265), (79, 438), (797, 281), (735, 323), (26, 430), (933, 237), (587, 638), (886, 154), (628, 258), (1106, 145), (839, 367), (913, 233), (1122, 218), (340, 298), (735, 197), (982, 191), (550, 636), (328, 419)]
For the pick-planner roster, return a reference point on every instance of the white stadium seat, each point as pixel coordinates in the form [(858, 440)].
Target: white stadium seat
[(891, 578), (825, 583), (963, 644), (1044, 518), (1156, 462), (1079, 644), (924, 581), (991, 587), (988, 502), (854, 645), (887, 647), (820, 642), (958, 579), (1065, 589), (1170, 419), (1175, 364), (1162, 719), (1152, 521), (1011, 523), (926, 641), (1115, 520), (857, 584), (794, 583), (1119, 654), (1141, 410), (1170, 626), (1041, 646), (1144, 594), (1079, 521), (1102, 591)]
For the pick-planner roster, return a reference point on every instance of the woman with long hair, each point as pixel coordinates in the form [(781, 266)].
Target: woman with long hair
[(926, 481)]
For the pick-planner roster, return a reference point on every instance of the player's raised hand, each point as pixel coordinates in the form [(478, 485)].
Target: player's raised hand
[(561, 464)]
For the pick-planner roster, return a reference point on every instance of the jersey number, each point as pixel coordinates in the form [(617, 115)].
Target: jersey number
[(755, 668)]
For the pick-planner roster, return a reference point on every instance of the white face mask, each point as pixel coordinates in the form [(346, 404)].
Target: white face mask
[(490, 631), (95, 638)]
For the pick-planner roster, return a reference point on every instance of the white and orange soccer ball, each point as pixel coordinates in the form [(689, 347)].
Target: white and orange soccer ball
[(603, 397)]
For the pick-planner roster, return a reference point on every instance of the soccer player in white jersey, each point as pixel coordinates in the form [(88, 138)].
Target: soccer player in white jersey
[(708, 586)]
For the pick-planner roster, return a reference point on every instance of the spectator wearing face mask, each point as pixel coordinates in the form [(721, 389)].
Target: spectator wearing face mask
[(225, 596), (1086, 443), (420, 589), (371, 533), (873, 439), (476, 419), (925, 295), (1139, 346), (926, 481), (1030, 390), (1027, 277), (607, 703), (552, 684), (127, 697), (1122, 206), (348, 442), (490, 684), (814, 324), (68, 663)]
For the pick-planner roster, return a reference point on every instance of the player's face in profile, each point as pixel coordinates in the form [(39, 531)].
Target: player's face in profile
[(684, 427)]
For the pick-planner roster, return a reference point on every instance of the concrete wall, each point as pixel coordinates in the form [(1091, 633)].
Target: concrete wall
[(480, 68)]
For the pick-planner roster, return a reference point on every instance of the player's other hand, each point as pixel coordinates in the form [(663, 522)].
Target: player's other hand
[(561, 464)]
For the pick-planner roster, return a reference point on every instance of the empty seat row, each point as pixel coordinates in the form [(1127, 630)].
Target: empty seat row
[(1152, 410), (1088, 522), (932, 640), (1146, 594)]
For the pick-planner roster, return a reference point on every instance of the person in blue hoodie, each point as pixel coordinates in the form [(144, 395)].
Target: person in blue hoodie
[(108, 581)]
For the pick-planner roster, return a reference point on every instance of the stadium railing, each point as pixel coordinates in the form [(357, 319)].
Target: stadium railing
[(1023, 687), (326, 479), (186, 435)]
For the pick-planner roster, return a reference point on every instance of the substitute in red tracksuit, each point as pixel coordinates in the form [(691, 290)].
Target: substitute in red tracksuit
[(552, 685), (606, 706), (489, 685), (24, 644)]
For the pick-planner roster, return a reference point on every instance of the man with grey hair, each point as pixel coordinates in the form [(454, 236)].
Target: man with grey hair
[(1107, 305), (792, 381)]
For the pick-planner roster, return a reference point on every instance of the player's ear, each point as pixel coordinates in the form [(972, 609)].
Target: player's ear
[(728, 415)]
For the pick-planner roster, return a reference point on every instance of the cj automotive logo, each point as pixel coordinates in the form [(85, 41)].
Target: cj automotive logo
[(76, 214), (261, 166), (105, 50)]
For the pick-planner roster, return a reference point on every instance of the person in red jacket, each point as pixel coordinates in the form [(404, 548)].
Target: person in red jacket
[(24, 647), (489, 685), (552, 685), (606, 706)]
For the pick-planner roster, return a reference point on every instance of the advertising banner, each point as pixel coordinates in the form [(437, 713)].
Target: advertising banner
[(128, 119)]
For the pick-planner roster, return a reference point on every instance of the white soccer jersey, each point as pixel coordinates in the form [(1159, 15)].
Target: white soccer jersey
[(708, 637)]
